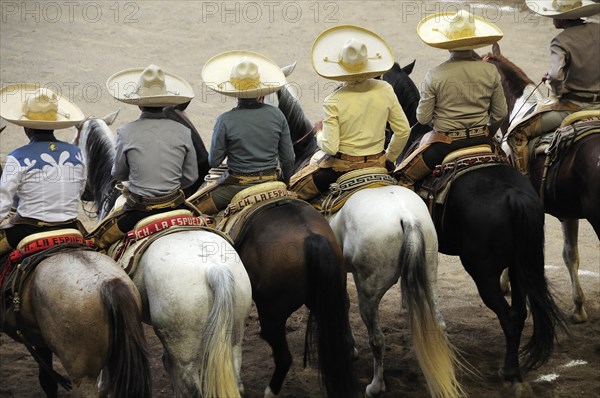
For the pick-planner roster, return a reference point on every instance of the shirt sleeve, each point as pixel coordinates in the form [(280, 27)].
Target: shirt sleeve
[(286, 152), (427, 101), (498, 108), (558, 62), (328, 140), (218, 147), (11, 179), (400, 126), (120, 170), (190, 165)]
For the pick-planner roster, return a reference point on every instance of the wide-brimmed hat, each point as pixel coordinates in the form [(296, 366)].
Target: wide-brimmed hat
[(32, 106), (150, 86), (242, 74), (565, 9), (457, 31), (350, 52)]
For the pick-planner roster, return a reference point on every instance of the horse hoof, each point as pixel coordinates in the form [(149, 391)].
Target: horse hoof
[(241, 389), (269, 393), (372, 392), (579, 316)]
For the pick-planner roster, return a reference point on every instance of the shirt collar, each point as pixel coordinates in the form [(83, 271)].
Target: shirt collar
[(152, 115), (42, 137), (463, 55)]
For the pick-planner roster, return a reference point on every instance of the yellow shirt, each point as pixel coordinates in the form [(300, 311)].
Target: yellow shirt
[(355, 119)]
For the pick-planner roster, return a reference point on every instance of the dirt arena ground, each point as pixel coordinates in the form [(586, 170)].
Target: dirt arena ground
[(73, 47)]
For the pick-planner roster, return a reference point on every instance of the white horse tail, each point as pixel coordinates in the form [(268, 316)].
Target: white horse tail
[(437, 357), (217, 373)]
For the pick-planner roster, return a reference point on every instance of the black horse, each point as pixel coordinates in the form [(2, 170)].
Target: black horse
[(493, 220)]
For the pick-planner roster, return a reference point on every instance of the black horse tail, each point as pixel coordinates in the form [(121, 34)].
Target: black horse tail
[(127, 364), (528, 234), (436, 356), (329, 325)]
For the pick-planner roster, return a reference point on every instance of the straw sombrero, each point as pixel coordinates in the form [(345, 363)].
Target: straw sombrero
[(32, 106), (150, 86), (565, 9), (457, 31), (242, 74), (350, 52)]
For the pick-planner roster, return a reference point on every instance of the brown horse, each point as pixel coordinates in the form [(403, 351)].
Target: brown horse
[(576, 191), (82, 307)]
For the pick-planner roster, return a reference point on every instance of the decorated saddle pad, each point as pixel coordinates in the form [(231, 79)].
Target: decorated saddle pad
[(350, 183)]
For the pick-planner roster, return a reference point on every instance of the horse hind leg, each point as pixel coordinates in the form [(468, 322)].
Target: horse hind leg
[(272, 330), (571, 258), (48, 384)]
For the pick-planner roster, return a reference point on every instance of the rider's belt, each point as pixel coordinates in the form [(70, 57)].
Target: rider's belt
[(471, 132), (242, 178), (137, 202), (351, 158), (17, 219), (582, 98)]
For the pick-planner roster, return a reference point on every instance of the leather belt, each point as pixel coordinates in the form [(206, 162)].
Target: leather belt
[(470, 132), (581, 98), (17, 219), (137, 202), (262, 173), (351, 158)]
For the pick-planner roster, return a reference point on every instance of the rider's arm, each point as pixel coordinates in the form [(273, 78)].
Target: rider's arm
[(498, 108), (286, 152), (218, 146), (120, 170), (427, 102), (328, 140), (558, 62), (11, 178), (400, 127), (189, 173)]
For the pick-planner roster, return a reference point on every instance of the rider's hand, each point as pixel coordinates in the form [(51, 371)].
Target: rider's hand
[(546, 77)]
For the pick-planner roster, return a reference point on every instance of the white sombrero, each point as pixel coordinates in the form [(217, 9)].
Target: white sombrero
[(457, 31), (150, 86), (32, 106), (565, 9), (350, 52), (242, 74)]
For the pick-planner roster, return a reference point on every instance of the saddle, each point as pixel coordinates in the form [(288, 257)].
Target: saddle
[(435, 188), (128, 252), (248, 203), (348, 184)]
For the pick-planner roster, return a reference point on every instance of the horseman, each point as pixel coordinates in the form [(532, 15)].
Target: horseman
[(355, 114), (47, 175), (253, 136), (154, 154), (574, 76), (462, 98)]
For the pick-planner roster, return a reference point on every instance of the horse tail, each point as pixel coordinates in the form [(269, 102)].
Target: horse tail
[(217, 373), (328, 324), (436, 356), (127, 364), (529, 279)]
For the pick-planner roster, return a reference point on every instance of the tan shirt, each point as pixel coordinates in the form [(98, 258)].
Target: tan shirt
[(461, 93), (575, 60), (355, 119)]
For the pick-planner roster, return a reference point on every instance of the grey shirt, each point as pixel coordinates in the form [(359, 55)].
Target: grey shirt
[(253, 138), (460, 93), (575, 60), (156, 155)]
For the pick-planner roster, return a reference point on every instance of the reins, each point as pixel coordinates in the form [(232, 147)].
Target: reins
[(524, 102)]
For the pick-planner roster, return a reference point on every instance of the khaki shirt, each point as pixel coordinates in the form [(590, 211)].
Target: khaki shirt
[(575, 60), (355, 119), (460, 93)]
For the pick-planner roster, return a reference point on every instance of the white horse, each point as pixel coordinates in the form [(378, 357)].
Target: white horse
[(195, 291), (387, 233)]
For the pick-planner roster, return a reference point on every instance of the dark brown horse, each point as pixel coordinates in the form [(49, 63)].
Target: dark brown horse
[(493, 220), (81, 306), (576, 191)]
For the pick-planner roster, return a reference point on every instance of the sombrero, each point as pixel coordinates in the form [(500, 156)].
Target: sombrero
[(565, 9), (457, 31), (242, 74), (32, 106), (150, 86), (350, 52)]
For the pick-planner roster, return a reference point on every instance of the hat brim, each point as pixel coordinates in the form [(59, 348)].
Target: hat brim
[(327, 47), (545, 9), (13, 96), (123, 85), (486, 33), (216, 74)]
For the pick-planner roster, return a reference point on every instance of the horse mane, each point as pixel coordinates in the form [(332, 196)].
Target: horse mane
[(100, 156), (405, 89), (305, 145), (514, 80)]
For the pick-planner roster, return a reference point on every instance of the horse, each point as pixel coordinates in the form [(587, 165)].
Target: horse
[(493, 220), (195, 291), (577, 184), (386, 234), (81, 306)]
